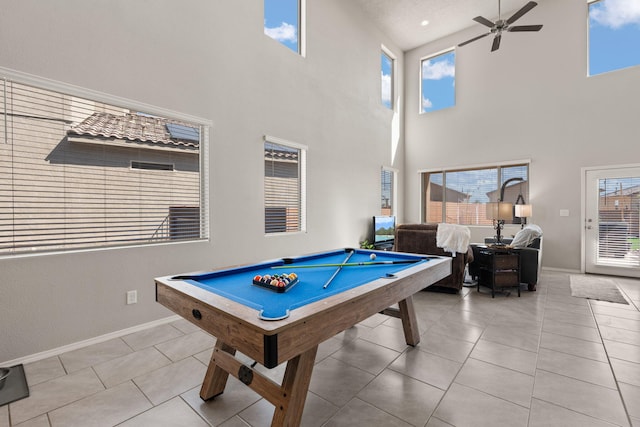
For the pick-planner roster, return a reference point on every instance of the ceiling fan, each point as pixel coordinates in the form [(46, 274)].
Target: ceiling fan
[(504, 25)]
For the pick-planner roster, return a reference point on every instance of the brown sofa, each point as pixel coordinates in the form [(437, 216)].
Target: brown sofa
[(421, 239)]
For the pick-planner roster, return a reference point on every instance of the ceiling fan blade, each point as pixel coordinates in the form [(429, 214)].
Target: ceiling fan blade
[(474, 39), (496, 42), (525, 28), (526, 8), (484, 21)]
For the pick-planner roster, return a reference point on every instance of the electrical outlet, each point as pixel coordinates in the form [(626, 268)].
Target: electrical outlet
[(132, 297)]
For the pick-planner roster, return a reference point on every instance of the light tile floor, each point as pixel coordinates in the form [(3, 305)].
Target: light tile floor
[(545, 359)]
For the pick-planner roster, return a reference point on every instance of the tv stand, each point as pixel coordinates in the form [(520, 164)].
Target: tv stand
[(383, 246)]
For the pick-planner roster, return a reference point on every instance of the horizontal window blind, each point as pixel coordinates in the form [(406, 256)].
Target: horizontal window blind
[(386, 188), (68, 175), (284, 189), (460, 196), (619, 222)]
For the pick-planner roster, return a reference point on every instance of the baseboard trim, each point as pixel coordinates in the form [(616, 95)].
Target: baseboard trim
[(96, 340), (562, 270)]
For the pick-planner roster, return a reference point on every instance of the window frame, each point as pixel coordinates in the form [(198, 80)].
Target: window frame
[(589, 44), (64, 89), (302, 180), (420, 76), (152, 166), (392, 83), (301, 28), (424, 214), (393, 190)]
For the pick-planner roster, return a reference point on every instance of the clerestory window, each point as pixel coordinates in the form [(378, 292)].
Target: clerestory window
[(437, 82), (283, 21), (387, 63), (614, 35)]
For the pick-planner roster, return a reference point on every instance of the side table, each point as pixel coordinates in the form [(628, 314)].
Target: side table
[(498, 267)]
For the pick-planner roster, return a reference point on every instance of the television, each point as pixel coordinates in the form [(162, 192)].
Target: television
[(384, 228)]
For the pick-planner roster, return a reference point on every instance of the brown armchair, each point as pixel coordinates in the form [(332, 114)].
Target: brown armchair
[(421, 239)]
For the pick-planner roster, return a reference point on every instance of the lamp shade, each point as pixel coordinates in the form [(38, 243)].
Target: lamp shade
[(492, 210), (524, 211), (500, 211)]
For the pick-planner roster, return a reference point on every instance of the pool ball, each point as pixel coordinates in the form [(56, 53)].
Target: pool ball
[(372, 257)]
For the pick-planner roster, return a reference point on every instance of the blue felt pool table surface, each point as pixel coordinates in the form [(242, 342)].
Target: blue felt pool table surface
[(237, 283)]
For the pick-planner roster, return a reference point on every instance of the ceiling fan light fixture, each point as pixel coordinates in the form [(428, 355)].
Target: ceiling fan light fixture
[(501, 25), (424, 23)]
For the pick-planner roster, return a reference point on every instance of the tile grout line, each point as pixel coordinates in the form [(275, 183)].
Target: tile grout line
[(615, 378), (629, 300), (609, 363), (533, 385)]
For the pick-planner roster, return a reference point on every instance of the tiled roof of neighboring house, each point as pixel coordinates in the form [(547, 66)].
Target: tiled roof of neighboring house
[(629, 191), (137, 128), (278, 152), (280, 155)]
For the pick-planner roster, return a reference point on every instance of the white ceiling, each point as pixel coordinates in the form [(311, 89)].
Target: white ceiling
[(400, 19)]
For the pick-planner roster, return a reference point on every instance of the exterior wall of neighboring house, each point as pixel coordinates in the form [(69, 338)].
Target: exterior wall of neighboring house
[(81, 190)]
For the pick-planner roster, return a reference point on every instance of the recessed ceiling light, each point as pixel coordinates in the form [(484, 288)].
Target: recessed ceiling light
[(424, 23)]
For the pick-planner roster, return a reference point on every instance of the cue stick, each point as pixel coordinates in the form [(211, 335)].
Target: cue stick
[(351, 264), (335, 273)]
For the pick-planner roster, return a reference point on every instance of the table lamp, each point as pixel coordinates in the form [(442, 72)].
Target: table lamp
[(524, 212), (499, 212)]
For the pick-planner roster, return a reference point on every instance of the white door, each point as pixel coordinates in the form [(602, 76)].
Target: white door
[(612, 226)]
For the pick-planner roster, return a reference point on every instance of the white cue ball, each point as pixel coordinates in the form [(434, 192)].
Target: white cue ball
[(372, 257)]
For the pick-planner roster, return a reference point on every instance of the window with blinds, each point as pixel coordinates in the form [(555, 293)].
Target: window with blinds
[(387, 178), (79, 173), (460, 196), (284, 186), (619, 221)]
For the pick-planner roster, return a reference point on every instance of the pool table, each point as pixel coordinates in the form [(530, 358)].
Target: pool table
[(334, 291)]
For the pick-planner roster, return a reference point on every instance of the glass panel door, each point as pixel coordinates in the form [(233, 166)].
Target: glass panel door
[(612, 228)]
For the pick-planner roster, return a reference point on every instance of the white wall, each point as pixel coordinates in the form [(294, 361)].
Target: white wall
[(531, 99), (208, 59)]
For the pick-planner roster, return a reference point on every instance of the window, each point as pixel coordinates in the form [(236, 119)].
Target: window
[(387, 77), (151, 166), (284, 186), (614, 35), (282, 22), (437, 88), (619, 221), (387, 187), (68, 181), (459, 196)]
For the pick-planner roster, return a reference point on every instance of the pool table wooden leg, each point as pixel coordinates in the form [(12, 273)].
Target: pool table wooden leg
[(295, 386), (409, 321), (216, 378)]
